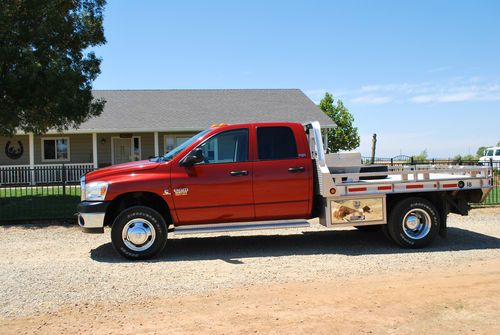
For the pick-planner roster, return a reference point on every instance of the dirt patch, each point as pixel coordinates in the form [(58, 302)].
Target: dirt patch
[(459, 299)]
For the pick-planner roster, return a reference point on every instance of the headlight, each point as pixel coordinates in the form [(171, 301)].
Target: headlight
[(82, 188), (95, 191)]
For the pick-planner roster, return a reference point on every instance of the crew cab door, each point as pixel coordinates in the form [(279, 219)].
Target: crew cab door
[(219, 189), (282, 173)]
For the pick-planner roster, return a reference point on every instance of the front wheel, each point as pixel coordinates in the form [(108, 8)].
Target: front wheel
[(413, 223), (139, 232)]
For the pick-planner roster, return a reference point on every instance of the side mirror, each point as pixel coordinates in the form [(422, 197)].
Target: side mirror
[(195, 156)]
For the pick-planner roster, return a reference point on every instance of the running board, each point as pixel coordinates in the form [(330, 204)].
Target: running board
[(239, 226)]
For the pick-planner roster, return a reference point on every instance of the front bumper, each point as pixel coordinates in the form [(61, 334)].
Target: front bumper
[(91, 216)]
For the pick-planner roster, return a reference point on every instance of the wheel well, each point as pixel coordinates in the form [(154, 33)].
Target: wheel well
[(438, 199), (126, 200)]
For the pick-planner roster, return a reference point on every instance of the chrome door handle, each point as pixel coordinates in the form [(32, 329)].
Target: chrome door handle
[(296, 169), (239, 173)]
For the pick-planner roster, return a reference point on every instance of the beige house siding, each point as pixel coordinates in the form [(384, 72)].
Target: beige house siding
[(80, 147), (24, 159)]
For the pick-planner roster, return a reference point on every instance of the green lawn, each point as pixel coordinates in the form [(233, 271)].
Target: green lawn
[(73, 190), (493, 197), (38, 203)]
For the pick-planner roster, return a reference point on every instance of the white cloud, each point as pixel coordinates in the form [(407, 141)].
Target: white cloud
[(460, 94), (456, 89), (371, 100), (451, 97)]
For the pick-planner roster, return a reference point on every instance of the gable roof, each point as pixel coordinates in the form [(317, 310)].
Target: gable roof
[(194, 110)]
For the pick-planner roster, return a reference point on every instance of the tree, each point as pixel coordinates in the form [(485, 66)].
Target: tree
[(345, 136), (421, 156), (466, 158), (480, 151), (46, 68)]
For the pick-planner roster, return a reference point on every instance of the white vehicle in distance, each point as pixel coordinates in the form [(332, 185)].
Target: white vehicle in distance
[(492, 153)]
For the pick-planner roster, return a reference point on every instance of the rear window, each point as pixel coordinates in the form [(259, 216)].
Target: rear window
[(276, 143)]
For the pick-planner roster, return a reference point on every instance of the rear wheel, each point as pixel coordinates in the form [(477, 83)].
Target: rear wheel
[(413, 223), (139, 232)]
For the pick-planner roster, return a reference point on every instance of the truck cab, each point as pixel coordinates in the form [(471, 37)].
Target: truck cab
[(490, 154)]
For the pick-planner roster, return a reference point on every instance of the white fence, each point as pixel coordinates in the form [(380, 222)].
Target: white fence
[(43, 174)]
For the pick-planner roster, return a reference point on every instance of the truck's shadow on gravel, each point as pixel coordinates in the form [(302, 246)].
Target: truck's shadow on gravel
[(233, 249)]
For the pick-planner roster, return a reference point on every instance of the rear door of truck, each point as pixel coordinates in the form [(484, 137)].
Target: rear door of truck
[(282, 178)]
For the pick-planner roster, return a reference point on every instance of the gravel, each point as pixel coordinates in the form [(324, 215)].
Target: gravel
[(46, 267)]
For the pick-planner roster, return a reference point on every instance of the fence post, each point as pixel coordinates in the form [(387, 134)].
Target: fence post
[(64, 179)]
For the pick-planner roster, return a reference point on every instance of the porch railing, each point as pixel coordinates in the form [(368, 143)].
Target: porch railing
[(43, 174)]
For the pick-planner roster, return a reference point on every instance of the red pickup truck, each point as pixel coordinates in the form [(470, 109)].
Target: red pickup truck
[(270, 175)]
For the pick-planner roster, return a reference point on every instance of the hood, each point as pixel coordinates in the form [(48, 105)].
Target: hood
[(124, 168)]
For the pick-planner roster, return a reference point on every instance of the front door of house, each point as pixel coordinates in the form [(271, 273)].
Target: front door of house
[(121, 150)]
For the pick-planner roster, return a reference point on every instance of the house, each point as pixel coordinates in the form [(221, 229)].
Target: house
[(138, 124)]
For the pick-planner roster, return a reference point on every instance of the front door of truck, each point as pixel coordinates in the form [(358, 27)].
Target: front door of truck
[(219, 189), (282, 175)]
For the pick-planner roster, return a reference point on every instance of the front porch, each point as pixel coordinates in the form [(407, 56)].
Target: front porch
[(62, 158)]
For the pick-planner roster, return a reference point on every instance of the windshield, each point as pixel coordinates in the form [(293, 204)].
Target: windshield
[(171, 154), (489, 152)]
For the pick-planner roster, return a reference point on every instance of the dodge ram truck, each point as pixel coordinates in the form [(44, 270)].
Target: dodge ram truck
[(270, 175)]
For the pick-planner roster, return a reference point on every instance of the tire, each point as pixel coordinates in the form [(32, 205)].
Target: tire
[(139, 232), (413, 223), (371, 228)]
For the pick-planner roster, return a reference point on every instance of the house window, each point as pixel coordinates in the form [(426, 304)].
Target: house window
[(55, 149), (171, 141)]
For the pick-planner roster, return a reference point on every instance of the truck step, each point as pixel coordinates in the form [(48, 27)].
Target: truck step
[(239, 226)]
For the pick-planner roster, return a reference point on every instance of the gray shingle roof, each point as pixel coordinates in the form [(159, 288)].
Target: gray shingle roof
[(188, 110)]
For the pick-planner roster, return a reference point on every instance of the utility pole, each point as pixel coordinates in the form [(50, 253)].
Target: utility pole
[(374, 145)]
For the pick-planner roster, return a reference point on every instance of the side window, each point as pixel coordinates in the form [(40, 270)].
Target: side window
[(227, 147), (276, 143), (497, 153)]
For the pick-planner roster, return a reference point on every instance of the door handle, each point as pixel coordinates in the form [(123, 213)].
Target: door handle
[(239, 173), (296, 169)]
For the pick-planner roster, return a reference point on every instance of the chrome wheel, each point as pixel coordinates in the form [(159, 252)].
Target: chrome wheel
[(138, 234), (417, 224)]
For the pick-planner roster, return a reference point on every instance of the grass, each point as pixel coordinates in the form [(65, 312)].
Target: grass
[(38, 203), (12, 192), (493, 197)]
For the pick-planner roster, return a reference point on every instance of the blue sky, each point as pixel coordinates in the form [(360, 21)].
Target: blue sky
[(420, 74)]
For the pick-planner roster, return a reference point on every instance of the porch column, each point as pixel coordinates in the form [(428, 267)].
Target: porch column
[(32, 157), (157, 147), (94, 150)]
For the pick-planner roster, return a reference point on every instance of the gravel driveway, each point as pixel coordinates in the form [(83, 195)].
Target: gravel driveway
[(46, 267)]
